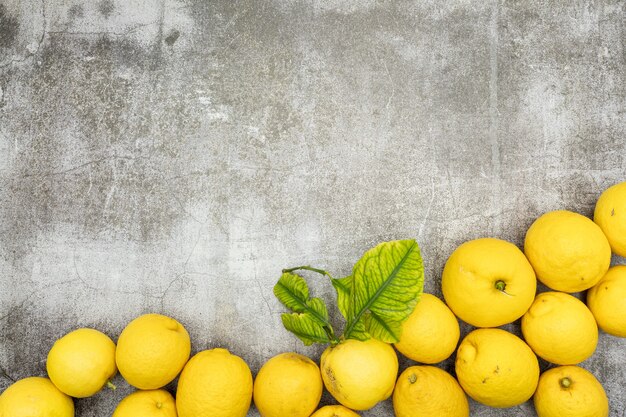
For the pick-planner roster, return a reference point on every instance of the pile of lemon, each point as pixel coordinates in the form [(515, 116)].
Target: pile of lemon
[(486, 282)]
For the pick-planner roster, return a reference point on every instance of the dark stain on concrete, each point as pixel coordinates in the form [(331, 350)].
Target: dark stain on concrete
[(106, 8), (99, 142), (172, 37), (76, 11), (9, 28)]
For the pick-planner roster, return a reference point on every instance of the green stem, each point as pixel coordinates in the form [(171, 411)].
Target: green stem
[(308, 268), (565, 382), (331, 334), (111, 386)]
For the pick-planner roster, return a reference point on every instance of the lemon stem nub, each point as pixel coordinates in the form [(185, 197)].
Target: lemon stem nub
[(565, 382), (111, 386), (412, 378), (159, 405), (500, 285)]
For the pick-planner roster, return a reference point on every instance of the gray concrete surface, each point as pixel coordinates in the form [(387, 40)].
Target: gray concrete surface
[(172, 156)]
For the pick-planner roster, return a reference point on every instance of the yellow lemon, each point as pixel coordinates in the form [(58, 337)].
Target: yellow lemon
[(431, 332), (152, 350), (496, 368), (334, 411), (35, 397), (359, 374), (568, 251), (488, 282), (560, 328), (425, 391), (288, 384), (570, 391), (610, 215), (214, 383), (607, 301), (82, 362), (152, 403)]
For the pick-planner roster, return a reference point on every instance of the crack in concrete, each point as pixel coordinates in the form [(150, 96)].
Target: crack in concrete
[(80, 166)]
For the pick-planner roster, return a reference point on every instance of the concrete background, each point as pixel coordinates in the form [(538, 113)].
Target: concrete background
[(172, 156)]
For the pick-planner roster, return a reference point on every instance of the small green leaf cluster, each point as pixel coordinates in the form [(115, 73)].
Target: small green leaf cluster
[(374, 300)]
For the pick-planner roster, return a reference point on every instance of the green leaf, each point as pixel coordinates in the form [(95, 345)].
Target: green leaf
[(292, 291), (309, 320), (305, 327), (343, 286), (386, 284)]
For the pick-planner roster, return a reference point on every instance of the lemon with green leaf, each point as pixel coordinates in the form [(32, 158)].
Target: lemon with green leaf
[(360, 374), (359, 368)]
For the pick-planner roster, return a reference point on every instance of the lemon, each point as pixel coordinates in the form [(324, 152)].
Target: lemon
[(152, 350), (570, 391), (568, 251), (334, 411), (610, 215), (359, 374), (425, 391), (496, 368), (35, 397), (560, 328), (288, 384), (607, 301), (82, 362), (488, 282), (431, 332), (152, 403), (214, 383)]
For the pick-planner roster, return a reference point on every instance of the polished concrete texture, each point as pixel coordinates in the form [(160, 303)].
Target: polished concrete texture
[(172, 156)]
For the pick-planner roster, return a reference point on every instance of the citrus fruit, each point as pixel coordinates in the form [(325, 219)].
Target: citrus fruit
[(431, 332), (152, 403), (610, 215), (424, 391), (496, 368), (82, 362), (488, 282), (607, 301), (35, 397), (570, 391), (568, 251), (214, 383), (359, 374), (334, 411), (560, 328), (152, 350), (288, 384)]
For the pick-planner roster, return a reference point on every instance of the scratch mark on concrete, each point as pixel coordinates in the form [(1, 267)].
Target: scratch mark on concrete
[(430, 206), (107, 201), (256, 279), (494, 114)]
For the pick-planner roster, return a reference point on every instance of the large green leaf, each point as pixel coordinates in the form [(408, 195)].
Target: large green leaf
[(385, 286), (309, 320)]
